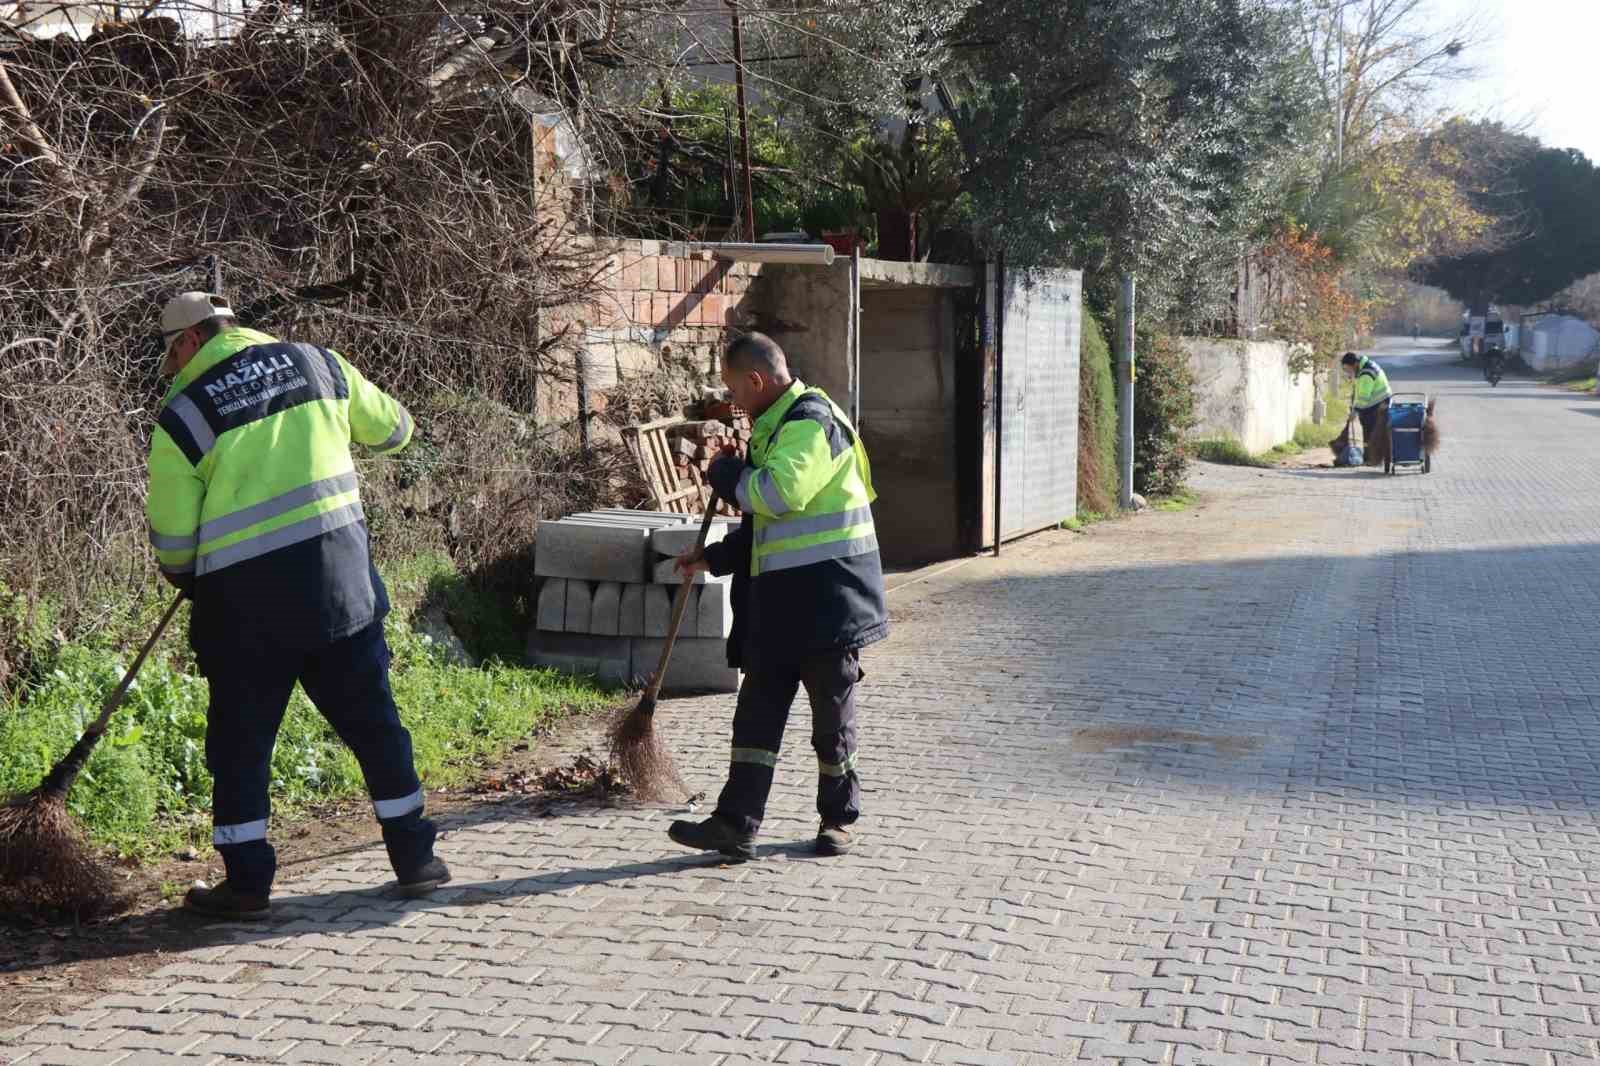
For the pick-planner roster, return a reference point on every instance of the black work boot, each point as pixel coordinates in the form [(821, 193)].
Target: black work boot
[(714, 834), (833, 840), (423, 881), (224, 902)]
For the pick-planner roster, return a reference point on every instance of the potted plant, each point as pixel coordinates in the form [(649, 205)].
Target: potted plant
[(906, 181), (836, 216)]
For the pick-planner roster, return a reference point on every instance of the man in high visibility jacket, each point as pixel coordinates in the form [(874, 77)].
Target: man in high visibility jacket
[(808, 595), (1371, 404), (255, 512)]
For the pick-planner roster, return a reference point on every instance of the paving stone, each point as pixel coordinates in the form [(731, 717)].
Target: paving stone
[(606, 658), (665, 573), (715, 618), (630, 612), (657, 610), (696, 665), (651, 519), (673, 541), (551, 615), (1304, 774), (593, 549), (605, 615), (578, 615)]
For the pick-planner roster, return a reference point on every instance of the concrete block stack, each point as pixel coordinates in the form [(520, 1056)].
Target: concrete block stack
[(605, 593)]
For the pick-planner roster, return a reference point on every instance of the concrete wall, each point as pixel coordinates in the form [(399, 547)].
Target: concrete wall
[(908, 420), (1243, 390), (908, 383), (1559, 341), (806, 309)]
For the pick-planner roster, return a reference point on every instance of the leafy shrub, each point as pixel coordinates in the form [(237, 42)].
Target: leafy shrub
[(1163, 413), (1097, 421)]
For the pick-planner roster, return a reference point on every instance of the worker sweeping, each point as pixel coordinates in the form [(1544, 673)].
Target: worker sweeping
[(808, 595), (1371, 404), (255, 511)]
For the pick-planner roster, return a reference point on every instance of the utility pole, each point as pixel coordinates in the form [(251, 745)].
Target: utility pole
[(744, 124), (1125, 321)]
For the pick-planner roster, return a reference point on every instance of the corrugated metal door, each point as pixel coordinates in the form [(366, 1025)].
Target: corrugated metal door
[(1038, 341)]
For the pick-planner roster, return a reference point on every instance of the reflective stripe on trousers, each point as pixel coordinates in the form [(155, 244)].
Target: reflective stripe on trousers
[(758, 756), (837, 769), (242, 833), (395, 808), (759, 721)]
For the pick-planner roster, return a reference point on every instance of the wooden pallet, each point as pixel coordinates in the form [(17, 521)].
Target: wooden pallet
[(654, 454)]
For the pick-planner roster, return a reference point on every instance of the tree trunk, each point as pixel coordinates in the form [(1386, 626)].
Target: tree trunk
[(897, 235)]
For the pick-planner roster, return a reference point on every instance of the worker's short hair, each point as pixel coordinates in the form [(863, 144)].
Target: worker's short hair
[(758, 352), (214, 325), (1351, 359)]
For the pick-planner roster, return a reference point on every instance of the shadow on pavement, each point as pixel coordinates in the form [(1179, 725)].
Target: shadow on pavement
[(353, 910)]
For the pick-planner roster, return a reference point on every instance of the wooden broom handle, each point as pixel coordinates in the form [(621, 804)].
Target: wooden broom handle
[(113, 700), (678, 606)]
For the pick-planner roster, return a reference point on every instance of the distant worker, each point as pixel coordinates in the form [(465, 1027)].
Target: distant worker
[(808, 595), (1371, 403), (255, 512)]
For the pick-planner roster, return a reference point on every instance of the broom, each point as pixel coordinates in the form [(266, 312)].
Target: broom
[(636, 747), (45, 859)]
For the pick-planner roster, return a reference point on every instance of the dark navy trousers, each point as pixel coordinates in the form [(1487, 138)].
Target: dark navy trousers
[(348, 681), (759, 720)]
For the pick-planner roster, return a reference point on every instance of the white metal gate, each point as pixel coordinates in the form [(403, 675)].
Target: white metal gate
[(1037, 352)]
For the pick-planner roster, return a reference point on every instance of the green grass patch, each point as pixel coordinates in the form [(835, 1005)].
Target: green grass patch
[(1085, 519), (146, 789), (1178, 501), (1227, 451), (1309, 436), (1579, 377)]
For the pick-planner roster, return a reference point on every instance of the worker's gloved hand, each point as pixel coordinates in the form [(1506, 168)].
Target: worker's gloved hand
[(724, 475)]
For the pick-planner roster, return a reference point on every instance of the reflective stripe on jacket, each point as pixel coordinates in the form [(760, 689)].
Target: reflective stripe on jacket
[(810, 485), (250, 462), (808, 577)]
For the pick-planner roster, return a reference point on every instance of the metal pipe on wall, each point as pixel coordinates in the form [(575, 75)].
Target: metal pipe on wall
[(1125, 340), (797, 254), (999, 310), (855, 337)]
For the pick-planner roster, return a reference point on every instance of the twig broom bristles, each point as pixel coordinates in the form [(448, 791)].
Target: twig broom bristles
[(636, 746), (46, 862)]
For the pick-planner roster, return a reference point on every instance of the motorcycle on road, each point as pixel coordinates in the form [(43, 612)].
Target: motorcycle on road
[(1494, 360)]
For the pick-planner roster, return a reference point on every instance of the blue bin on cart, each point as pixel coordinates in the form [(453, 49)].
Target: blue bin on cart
[(1408, 416)]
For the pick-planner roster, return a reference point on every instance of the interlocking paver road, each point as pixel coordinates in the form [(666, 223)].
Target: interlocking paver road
[(1307, 775)]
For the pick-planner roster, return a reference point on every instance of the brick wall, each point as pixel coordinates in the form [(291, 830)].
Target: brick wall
[(696, 444), (653, 306)]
